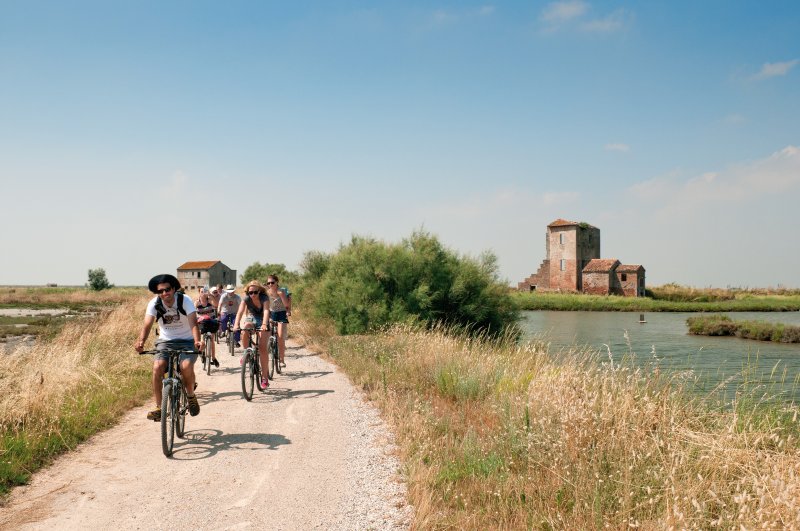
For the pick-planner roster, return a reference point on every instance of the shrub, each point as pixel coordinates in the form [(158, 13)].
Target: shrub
[(98, 280), (368, 284), (712, 325), (260, 272)]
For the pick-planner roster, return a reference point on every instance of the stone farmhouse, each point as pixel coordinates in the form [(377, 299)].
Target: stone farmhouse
[(195, 275), (573, 264)]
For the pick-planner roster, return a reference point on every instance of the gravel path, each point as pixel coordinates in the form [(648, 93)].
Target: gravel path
[(307, 454)]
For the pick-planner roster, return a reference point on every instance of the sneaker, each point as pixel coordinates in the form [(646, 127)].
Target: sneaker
[(215, 362), (154, 415), (241, 360), (194, 407), (238, 344), (264, 383), (283, 364)]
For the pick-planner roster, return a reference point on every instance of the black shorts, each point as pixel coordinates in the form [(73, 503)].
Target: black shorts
[(209, 325)]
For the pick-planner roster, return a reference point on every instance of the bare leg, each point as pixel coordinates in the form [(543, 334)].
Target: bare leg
[(283, 329), (159, 368), (187, 373)]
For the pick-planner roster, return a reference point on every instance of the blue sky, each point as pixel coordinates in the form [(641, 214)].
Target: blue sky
[(138, 135)]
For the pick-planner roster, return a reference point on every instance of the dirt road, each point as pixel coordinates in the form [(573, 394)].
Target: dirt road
[(307, 454)]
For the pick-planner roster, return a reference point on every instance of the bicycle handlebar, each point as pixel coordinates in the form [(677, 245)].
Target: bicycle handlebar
[(168, 351)]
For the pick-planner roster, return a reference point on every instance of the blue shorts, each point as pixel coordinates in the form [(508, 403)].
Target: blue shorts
[(176, 344), (279, 317), (255, 319)]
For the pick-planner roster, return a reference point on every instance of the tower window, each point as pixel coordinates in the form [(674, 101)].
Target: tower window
[(562, 238), (563, 264)]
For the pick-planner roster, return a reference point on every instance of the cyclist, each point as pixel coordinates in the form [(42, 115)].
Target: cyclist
[(228, 306), (214, 295), (207, 319), (279, 308), (250, 317), (177, 324)]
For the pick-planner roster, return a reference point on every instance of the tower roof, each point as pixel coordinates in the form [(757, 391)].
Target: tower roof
[(567, 223)]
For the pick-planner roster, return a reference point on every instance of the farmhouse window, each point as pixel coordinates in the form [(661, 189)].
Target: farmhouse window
[(624, 277)]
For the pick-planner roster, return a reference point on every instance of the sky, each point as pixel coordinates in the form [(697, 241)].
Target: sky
[(137, 135)]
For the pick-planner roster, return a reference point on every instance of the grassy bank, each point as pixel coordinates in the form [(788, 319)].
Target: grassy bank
[(72, 298), (60, 391), (722, 325), (496, 435), (739, 302)]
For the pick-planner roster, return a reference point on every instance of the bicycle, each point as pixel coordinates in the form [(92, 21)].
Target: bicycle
[(206, 354), (230, 335), (174, 400), (251, 367), (272, 349)]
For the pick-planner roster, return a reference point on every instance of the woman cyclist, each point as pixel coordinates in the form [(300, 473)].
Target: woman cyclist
[(207, 319), (279, 308), (250, 317)]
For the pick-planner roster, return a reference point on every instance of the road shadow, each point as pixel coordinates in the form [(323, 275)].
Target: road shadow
[(295, 375), (277, 394), (202, 444)]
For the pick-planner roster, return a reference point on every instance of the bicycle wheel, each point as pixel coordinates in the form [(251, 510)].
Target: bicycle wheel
[(271, 359), (183, 406), (167, 424), (248, 375), (273, 349), (208, 355), (231, 338), (257, 371)]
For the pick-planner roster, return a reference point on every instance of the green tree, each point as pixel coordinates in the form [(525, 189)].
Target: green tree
[(98, 280), (260, 272), (368, 284)]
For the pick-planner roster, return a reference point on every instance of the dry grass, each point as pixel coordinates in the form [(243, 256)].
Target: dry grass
[(58, 392), (35, 297), (496, 435)]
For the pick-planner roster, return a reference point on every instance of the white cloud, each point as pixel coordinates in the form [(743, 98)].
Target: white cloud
[(624, 148), (559, 12), (778, 173), (572, 14), (776, 69), (735, 119), (608, 24)]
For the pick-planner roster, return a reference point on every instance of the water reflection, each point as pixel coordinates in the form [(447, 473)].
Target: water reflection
[(663, 339)]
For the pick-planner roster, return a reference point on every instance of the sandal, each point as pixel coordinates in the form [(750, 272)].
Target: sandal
[(264, 383), (154, 415)]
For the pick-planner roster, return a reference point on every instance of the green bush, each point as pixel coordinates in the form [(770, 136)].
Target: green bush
[(368, 284), (712, 325), (260, 272), (98, 280)]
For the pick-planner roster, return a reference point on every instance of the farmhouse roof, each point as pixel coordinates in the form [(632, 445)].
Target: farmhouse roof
[(566, 223), (198, 265), (601, 265), (630, 268)]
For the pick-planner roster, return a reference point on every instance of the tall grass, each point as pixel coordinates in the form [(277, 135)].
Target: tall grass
[(722, 325), (496, 435), (739, 302), (60, 391)]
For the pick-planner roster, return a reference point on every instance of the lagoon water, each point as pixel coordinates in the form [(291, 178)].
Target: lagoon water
[(664, 340)]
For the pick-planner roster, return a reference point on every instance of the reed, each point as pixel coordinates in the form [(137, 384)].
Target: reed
[(740, 302), (504, 436), (76, 298), (61, 390), (722, 325)]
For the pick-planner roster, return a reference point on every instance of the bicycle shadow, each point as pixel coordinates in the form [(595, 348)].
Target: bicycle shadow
[(278, 394), (213, 396), (205, 443), (296, 375)]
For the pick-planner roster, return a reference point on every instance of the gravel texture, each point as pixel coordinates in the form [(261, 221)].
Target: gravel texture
[(309, 453)]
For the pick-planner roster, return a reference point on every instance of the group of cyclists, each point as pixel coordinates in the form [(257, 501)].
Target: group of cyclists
[(181, 322)]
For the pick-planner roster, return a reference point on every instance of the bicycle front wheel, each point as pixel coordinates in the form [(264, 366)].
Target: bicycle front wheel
[(231, 341), (248, 375), (208, 355), (273, 349), (180, 416), (271, 361), (167, 423)]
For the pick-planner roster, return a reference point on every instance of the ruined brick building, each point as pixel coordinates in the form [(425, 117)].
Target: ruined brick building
[(573, 264)]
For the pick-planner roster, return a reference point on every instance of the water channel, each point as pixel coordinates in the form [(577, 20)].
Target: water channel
[(664, 341)]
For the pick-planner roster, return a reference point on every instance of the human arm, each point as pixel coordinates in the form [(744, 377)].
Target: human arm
[(144, 333)]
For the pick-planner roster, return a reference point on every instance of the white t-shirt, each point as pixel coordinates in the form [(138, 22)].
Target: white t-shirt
[(230, 303), (174, 325)]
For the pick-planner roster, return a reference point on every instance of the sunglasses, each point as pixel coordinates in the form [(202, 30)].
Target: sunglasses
[(252, 293), (270, 282), (165, 290)]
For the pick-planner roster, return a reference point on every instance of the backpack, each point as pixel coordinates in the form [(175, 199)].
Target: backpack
[(161, 311)]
